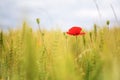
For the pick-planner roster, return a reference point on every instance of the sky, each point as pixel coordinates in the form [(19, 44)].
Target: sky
[(57, 14)]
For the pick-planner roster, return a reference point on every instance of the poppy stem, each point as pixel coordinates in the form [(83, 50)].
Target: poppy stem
[(76, 56), (76, 47)]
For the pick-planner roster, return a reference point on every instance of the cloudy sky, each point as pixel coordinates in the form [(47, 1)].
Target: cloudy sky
[(60, 14)]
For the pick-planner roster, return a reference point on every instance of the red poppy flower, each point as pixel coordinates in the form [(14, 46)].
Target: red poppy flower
[(75, 31)]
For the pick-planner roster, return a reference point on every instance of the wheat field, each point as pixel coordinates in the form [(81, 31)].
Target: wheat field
[(26, 54)]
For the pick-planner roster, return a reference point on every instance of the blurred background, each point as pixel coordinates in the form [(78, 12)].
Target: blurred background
[(60, 14)]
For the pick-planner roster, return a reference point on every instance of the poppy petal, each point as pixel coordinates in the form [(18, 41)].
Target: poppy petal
[(75, 31), (82, 33)]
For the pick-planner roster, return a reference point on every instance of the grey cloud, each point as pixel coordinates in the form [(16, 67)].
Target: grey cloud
[(52, 12)]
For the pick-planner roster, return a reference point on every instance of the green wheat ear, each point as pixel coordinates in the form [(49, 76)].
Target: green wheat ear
[(90, 34), (38, 21), (1, 38), (84, 40), (65, 35), (95, 31), (108, 22)]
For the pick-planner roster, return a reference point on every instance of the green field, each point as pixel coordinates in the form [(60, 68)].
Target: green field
[(26, 54)]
